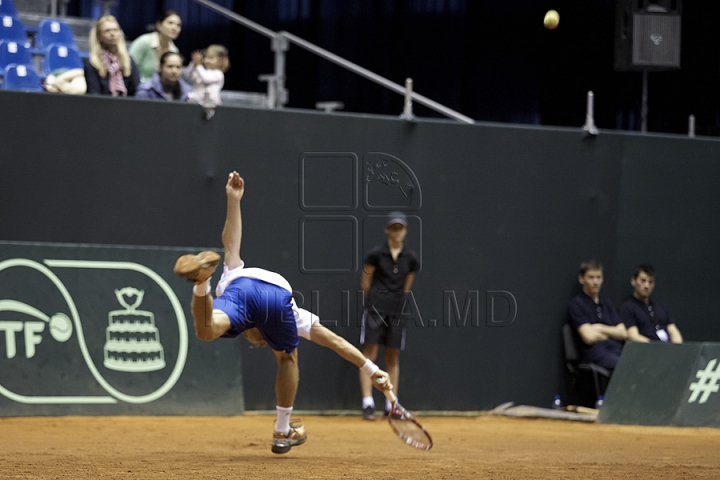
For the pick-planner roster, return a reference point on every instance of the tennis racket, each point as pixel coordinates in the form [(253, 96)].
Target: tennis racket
[(405, 426)]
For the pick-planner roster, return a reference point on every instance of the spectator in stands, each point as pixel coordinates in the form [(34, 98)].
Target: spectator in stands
[(166, 84), (110, 70), (66, 81), (147, 49), (595, 320), (206, 71), (647, 320)]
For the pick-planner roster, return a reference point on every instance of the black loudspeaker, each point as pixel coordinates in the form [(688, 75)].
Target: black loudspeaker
[(647, 34)]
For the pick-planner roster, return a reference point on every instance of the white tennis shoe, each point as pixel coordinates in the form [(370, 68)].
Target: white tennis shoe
[(282, 443)]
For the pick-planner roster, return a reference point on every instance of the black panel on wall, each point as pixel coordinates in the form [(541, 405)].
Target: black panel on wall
[(647, 34)]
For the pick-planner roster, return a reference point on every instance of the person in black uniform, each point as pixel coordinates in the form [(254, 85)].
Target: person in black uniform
[(595, 320), (388, 274), (647, 320)]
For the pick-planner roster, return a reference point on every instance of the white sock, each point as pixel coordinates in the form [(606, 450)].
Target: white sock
[(368, 402), (283, 419), (388, 405)]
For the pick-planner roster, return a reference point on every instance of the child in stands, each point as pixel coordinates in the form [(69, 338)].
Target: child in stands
[(207, 74)]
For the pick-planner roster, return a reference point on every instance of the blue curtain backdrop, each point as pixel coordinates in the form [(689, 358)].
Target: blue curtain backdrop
[(201, 26), (491, 60)]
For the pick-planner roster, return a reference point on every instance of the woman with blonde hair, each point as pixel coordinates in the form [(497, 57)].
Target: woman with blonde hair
[(110, 70)]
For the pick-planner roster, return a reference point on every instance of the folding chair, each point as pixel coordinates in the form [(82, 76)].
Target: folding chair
[(54, 31), (13, 52), (61, 56), (21, 77), (600, 375), (11, 28), (7, 7)]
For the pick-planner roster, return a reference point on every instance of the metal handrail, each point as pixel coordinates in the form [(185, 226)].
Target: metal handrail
[(237, 18), (279, 46)]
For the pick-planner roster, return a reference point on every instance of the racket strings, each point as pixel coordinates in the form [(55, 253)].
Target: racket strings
[(409, 430)]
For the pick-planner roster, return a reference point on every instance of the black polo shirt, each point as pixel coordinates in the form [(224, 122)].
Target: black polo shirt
[(582, 310), (388, 282), (647, 318)]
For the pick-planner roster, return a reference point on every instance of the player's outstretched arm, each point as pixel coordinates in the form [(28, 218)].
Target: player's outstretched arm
[(232, 232), (322, 336)]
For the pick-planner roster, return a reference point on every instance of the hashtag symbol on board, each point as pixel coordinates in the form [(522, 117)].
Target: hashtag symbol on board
[(707, 382)]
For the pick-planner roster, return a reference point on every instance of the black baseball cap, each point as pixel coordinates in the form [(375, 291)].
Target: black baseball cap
[(397, 217)]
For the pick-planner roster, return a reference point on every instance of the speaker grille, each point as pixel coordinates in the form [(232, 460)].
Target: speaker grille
[(656, 40)]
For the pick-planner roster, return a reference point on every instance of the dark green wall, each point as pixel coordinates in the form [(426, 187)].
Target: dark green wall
[(495, 208)]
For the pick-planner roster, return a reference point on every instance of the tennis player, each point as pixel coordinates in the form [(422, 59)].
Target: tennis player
[(259, 304)]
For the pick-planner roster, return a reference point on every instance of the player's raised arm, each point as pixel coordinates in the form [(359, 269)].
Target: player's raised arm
[(232, 232)]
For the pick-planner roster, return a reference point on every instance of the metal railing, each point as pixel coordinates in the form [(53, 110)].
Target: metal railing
[(277, 93)]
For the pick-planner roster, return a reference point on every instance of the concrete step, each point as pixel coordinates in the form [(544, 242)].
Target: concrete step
[(33, 6), (244, 99)]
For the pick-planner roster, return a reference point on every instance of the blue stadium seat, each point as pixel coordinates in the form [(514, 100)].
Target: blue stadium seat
[(11, 28), (53, 31), (21, 77), (7, 7), (61, 56), (14, 52)]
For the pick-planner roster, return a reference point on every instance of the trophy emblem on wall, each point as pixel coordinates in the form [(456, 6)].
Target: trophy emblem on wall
[(132, 341)]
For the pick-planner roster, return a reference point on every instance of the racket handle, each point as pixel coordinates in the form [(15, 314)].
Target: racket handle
[(389, 394)]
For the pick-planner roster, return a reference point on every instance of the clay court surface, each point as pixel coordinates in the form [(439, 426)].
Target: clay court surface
[(347, 447)]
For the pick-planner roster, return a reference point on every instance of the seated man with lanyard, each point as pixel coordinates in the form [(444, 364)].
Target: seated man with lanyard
[(647, 320)]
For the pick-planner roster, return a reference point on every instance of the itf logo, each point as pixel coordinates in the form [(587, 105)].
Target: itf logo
[(87, 332), (338, 190), (707, 382)]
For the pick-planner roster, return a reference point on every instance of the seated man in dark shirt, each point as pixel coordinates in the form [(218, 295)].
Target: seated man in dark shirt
[(595, 320), (647, 320)]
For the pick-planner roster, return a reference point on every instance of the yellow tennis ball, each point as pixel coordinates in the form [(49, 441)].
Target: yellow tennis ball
[(552, 18)]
